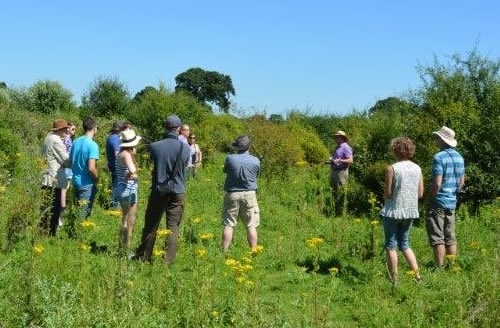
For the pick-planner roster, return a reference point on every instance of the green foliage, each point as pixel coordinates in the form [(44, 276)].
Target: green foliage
[(206, 86), (106, 96), (314, 150), (276, 147), (465, 96), (150, 109), (47, 97)]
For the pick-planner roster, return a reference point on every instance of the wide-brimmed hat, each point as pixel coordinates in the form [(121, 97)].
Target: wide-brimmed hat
[(129, 138), (59, 124), (447, 135), (117, 127), (241, 143), (173, 121), (341, 133)]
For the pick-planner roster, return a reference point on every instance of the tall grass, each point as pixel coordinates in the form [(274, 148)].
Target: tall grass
[(311, 269)]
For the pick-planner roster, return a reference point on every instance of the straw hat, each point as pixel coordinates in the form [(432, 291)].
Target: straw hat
[(447, 135), (129, 138)]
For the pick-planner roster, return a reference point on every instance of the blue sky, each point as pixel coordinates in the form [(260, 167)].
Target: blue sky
[(314, 56)]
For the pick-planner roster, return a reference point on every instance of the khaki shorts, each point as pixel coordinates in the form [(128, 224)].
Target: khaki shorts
[(243, 205), (440, 224)]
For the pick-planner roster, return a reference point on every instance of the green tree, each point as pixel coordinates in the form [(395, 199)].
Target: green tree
[(45, 97), (107, 96), (206, 86), (465, 96)]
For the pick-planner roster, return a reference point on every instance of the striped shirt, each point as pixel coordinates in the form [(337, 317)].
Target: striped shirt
[(450, 165)]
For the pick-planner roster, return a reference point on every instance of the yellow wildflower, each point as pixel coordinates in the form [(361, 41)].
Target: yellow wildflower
[(357, 220), (302, 164), (84, 247), (206, 236), (240, 280), (197, 220), (246, 260), (214, 314), (116, 213), (474, 244), (411, 273), (374, 222), (158, 252), (451, 257), (201, 252), (257, 250), (87, 224), (315, 241), (2, 188), (484, 252), (232, 262), (249, 283), (83, 202), (164, 232), (38, 249), (456, 268), (334, 270)]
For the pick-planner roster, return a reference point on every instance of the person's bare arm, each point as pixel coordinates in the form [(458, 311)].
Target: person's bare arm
[(389, 175), (93, 169), (420, 187)]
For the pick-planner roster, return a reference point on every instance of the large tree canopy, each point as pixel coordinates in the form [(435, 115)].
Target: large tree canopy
[(206, 86), (107, 96)]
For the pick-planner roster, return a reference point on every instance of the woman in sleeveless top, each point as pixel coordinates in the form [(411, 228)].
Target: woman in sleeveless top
[(126, 170), (403, 187)]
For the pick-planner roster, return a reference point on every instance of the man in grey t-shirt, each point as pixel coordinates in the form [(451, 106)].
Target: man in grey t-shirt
[(240, 200)]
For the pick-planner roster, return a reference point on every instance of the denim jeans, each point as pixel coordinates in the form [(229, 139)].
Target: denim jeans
[(85, 196), (397, 233)]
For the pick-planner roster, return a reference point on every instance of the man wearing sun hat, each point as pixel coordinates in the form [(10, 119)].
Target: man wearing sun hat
[(54, 178), (448, 173), (169, 157), (340, 160), (240, 199)]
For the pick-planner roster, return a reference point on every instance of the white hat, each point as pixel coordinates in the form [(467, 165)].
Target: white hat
[(129, 138), (447, 135)]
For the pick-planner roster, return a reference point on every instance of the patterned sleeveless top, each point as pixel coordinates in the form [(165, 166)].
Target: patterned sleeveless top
[(122, 172), (403, 203)]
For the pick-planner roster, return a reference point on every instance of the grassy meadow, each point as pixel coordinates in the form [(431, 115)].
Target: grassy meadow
[(310, 270)]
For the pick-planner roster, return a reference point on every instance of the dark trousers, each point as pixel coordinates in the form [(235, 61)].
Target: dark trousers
[(50, 214), (173, 206)]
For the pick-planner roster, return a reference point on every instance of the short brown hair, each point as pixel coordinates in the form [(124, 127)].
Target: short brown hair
[(403, 147)]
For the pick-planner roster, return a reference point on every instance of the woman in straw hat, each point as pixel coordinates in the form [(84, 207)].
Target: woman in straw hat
[(127, 185)]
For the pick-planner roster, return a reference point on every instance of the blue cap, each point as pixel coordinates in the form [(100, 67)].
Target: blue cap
[(173, 121)]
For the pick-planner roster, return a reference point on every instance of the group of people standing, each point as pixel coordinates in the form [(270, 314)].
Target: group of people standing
[(404, 187), (173, 157), (178, 153)]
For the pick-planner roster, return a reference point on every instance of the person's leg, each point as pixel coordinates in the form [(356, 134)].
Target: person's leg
[(56, 211), (227, 237), (439, 253), (403, 237), (230, 212), (132, 214), (124, 225), (174, 211), (450, 239), (154, 211), (251, 214), (390, 230), (435, 231)]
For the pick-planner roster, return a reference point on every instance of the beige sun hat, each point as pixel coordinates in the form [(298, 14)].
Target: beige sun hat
[(129, 138), (341, 133), (447, 135)]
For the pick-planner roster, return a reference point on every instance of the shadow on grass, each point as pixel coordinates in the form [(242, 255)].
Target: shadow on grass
[(333, 266)]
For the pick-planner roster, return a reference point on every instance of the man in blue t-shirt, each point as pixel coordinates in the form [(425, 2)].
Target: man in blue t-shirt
[(448, 173), (84, 155)]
